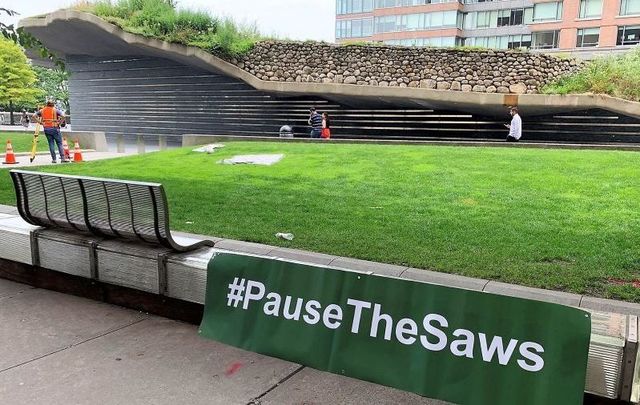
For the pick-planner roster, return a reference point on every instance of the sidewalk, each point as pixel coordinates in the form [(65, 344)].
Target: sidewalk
[(61, 349), (45, 159)]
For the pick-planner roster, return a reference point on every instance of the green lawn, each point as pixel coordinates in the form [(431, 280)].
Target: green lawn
[(558, 219), (22, 142)]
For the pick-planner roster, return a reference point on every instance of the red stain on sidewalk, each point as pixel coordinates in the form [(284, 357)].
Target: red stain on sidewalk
[(233, 368)]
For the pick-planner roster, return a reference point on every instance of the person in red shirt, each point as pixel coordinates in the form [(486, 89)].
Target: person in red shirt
[(51, 118)]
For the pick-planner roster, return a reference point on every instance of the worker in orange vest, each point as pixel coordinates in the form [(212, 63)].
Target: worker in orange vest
[(50, 118)]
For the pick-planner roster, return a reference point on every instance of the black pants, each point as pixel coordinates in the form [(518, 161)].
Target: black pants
[(511, 139)]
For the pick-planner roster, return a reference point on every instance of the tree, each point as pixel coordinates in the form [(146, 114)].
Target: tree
[(17, 78), (54, 84), (26, 40)]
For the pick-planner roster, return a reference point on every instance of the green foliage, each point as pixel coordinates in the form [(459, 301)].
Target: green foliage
[(21, 142), (54, 84), (17, 78), (557, 219), (160, 19), (26, 40), (617, 76)]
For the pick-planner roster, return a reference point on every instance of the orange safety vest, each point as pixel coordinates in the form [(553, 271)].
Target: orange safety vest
[(49, 117)]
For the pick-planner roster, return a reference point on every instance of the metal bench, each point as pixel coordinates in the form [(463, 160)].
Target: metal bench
[(106, 208)]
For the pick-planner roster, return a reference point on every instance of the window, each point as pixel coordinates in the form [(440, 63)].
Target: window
[(367, 27), (353, 6), (433, 41), (629, 7), (416, 22), (629, 35), (588, 37), (358, 28), (590, 9), (517, 16), (504, 18), (547, 11), (405, 3), (544, 39), (528, 15)]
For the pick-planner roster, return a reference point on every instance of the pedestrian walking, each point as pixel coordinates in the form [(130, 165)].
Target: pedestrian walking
[(515, 128), (24, 119), (315, 121), (50, 118), (326, 126)]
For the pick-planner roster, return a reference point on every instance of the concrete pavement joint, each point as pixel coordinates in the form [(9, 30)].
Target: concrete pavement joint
[(256, 400), (108, 332)]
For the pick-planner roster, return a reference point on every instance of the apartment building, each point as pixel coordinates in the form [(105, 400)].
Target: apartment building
[(582, 27)]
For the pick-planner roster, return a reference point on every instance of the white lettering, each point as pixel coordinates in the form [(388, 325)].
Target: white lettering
[(467, 343), (358, 305), (406, 326), (287, 304), (253, 296), (538, 361), (442, 338), (313, 316), (504, 355), (375, 320), (332, 316), (272, 307)]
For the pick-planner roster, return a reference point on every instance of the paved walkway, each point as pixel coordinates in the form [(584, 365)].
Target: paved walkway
[(45, 160), (61, 349)]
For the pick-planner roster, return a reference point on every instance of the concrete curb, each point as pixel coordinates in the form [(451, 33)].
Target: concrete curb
[(433, 277)]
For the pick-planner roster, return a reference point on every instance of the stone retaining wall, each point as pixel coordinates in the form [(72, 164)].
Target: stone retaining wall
[(485, 71)]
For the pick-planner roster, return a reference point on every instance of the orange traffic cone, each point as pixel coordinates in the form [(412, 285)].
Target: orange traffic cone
[(65, 149), (9, 157), (77, 153)]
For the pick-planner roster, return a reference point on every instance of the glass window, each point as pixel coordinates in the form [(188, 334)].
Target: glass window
[(450, 18), (629, 35), (483, 19), (629, 7), (367, 27), (437, 19), (547, 11), (588, 37), (356, 28), (590, 9), (528, 15), (517, 16), (413, 22), (493, 19), (544, 39), (367, 5), (504, 18)]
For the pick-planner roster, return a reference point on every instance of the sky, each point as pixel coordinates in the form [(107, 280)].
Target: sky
[(293, 19)]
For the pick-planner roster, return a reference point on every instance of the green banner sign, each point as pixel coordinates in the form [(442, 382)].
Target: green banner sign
[(452, 344)]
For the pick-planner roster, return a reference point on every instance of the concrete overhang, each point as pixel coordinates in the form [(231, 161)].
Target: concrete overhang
[(69, 32)]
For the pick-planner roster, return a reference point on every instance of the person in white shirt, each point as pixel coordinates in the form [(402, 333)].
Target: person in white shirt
[(515, 128)]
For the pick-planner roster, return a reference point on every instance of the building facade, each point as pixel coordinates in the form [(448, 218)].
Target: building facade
[(582, 27)]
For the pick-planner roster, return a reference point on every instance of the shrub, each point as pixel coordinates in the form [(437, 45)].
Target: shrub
[(160, 19), (617, 76)]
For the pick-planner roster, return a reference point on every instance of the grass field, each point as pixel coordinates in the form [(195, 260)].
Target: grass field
[(558, 219), (21, 142)]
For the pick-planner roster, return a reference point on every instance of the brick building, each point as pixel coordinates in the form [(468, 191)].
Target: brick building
[(581, 27)]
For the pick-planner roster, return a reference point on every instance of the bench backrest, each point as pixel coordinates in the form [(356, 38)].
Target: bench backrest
[(103, 207)]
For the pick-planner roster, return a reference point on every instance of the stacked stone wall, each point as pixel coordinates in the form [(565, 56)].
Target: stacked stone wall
[(485, 71)]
